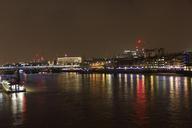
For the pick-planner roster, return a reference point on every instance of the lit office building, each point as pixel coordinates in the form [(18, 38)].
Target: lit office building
[(129, 54), (188, 60)]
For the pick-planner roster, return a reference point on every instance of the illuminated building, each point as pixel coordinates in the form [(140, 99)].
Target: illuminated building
[(128, 54), (140, 48), (157, 52), (99, 63), (69, 61), (188, 60), (51, 63)]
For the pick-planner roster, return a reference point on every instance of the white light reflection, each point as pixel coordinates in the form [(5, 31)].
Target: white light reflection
[(120, 79), (185, 84), (131, 84), (157, 83), (174, 96), (177, 81), (126, 83), (18, 105), (1, 97), (179, 94), (125, 77), (137, 79), (71, 81), (171, 85), (164, 82), (152, 85), (143, 80), (103, 79), (131, 81), (109, 79), (191, 84), (1, 101), (186, 93), (109, 85)]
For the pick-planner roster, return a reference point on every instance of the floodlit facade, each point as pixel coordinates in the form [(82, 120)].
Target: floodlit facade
[(129, 54), (69, 61)]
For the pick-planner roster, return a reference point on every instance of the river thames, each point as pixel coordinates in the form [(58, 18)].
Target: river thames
[(99, 100)]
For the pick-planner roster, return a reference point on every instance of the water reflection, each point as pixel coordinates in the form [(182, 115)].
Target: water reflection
[(18, 106), (16, 102), (117, 99), (174, 90), (140, 105), (69, 82)]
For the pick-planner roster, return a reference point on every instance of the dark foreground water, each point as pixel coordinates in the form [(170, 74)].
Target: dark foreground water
[(99, 101)]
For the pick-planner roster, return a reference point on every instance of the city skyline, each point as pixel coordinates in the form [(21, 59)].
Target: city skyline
[(91, 28), (95, 63)]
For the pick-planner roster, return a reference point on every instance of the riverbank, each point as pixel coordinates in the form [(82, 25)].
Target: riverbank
[(137, 71)]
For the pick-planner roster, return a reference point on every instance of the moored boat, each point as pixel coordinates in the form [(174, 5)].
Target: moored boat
[(12, 87)]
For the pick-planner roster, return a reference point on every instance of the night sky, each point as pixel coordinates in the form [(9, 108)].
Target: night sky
[(91, 27)]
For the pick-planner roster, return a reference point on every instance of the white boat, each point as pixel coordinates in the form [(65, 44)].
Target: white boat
[(12, 88)]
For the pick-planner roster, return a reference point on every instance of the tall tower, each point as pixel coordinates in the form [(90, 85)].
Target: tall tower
[(139, 45), (140, 48)]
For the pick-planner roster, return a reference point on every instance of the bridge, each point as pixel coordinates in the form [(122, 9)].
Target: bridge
[(39, 67), (36, 69), (77, 68)]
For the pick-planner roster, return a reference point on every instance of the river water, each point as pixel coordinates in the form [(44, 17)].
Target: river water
[(99, 100)]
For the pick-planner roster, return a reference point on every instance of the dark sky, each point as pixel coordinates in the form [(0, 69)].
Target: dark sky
[(91, 27)]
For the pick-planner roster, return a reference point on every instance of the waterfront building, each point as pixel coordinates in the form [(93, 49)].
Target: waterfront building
[(69, 61), (188, 60), (174, 60), (99, 63), (154, 62)]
